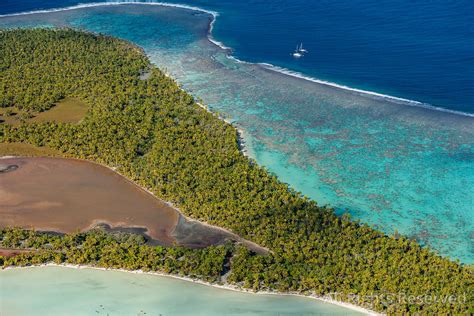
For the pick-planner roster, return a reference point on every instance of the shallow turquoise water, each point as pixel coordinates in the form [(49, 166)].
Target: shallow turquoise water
[(392, 165), (64, 291)]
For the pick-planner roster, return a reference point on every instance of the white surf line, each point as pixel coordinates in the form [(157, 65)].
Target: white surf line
[(214, 14), (111, 3), (267, 66), (361, 91)]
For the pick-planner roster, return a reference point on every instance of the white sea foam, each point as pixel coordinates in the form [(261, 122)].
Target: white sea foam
[(112, 3), (361, 91), (214, 14), (285, 71)]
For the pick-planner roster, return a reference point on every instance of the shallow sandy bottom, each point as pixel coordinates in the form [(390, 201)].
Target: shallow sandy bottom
[(85, 291)]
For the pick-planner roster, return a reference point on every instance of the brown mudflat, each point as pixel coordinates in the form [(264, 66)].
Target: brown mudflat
[(65, 195), (68, 195), (7, 253)]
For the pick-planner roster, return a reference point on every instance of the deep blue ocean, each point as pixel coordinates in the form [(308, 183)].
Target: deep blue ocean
[(418, 50), (392, 164)]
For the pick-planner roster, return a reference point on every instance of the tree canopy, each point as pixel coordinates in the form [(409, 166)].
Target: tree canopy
[(154, 133)]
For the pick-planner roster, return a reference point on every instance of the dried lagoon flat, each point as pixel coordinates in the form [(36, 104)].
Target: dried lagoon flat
[(66, 195), (69, 195)]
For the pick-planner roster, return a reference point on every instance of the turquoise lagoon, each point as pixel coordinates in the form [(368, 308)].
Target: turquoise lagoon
[(393, 164), (65, 291)]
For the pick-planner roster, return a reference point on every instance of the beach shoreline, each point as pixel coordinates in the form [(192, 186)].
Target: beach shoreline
[(224, 286), (243, 141)]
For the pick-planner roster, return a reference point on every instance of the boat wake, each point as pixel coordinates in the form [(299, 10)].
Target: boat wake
[(267, 66)]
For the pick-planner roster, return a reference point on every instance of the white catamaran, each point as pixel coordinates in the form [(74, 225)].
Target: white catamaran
[(299, 51)]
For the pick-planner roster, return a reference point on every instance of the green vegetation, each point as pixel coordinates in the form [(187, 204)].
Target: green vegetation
[(11, 115), (118, 250), (69, 110), (27, 150), (155, 134)]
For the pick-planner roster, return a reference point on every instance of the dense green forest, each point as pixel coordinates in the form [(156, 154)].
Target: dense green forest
[(154, 133), (114, 250)]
